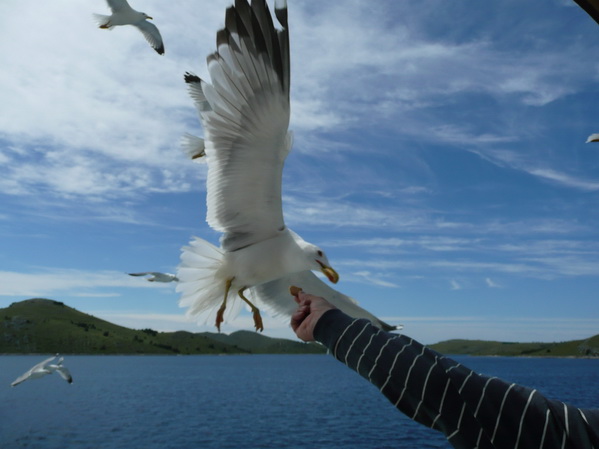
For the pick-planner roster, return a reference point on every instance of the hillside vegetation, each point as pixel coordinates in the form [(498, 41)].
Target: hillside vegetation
[(46, 326), (575, 348)]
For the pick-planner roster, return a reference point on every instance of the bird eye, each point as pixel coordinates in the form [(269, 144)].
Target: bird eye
[(319, 253)]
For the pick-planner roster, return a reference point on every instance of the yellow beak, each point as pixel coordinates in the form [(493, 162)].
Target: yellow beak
[(329, 272), (151, 18)]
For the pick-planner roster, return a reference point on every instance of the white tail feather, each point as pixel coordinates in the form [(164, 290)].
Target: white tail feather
[(202, 289), (101, 19)]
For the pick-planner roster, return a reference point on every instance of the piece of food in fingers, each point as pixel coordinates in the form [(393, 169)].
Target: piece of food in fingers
[(294, 290)]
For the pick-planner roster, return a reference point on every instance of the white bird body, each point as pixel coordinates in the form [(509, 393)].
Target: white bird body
[(259, 266), (123, 14), (43, 369), (245, 116)]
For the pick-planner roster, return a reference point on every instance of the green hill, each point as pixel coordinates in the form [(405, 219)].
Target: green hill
[(574, 348), (259, 344), (46, 326)]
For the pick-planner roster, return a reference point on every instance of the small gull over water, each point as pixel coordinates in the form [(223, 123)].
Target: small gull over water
[(43, 369)]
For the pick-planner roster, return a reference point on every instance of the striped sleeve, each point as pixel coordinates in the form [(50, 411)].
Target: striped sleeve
[(473, 411)]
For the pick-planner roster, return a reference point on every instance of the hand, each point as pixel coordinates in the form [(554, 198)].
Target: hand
[(310, 309)]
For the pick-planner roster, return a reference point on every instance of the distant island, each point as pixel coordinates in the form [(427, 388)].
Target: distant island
[(46, 326), (41, 325), (576, 348)]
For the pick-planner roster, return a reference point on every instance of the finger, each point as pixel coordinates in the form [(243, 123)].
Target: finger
[(298, 317)]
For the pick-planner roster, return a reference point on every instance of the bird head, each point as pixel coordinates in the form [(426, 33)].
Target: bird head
[(323, 264), (315, 258)]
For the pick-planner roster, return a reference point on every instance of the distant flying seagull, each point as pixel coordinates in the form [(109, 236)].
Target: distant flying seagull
[(155, 276), (245, 116), (593, 138), (44, 368), (123, 14)]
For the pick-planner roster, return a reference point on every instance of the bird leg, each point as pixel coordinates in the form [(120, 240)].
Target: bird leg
[(256, 313), (221, 310)]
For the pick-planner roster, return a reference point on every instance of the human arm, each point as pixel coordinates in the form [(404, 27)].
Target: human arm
[(470, 409)]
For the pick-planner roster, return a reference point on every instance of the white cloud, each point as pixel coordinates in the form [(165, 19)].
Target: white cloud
[(105, 125), (564, 179), (528, 164), (370, 278), (103, 115)]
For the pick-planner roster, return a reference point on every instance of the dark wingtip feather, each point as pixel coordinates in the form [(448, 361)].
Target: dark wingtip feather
[(222, 37), (160, 50), (281, 12), (231, 20), (191, 78)]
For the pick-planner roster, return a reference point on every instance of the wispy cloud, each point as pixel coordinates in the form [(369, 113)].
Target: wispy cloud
[(370, 278), (527, 164), (90, 121)]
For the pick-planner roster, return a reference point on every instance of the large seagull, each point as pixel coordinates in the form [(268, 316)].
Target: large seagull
[(244, 112)]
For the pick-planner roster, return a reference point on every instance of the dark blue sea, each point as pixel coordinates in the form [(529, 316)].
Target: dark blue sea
[(258, 401)]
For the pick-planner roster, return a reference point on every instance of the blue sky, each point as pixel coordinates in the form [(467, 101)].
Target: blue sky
[(439, 159)]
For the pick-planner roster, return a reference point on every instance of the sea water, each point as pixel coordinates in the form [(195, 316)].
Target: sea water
[(255, 401)]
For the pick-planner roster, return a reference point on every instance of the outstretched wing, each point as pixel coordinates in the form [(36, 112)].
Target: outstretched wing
[(245, 115), (271, 295), (65, 373), (40, 366), (22, 378), (117, 6), (152, 35)]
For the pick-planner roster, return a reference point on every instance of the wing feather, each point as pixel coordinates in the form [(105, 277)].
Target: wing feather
[(39, 367), (65, 373), (152, 35), (118, 5), (270, 294), (245, 114)]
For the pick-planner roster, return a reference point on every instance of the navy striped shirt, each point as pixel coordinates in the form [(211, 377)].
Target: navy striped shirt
[(472, 410)]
